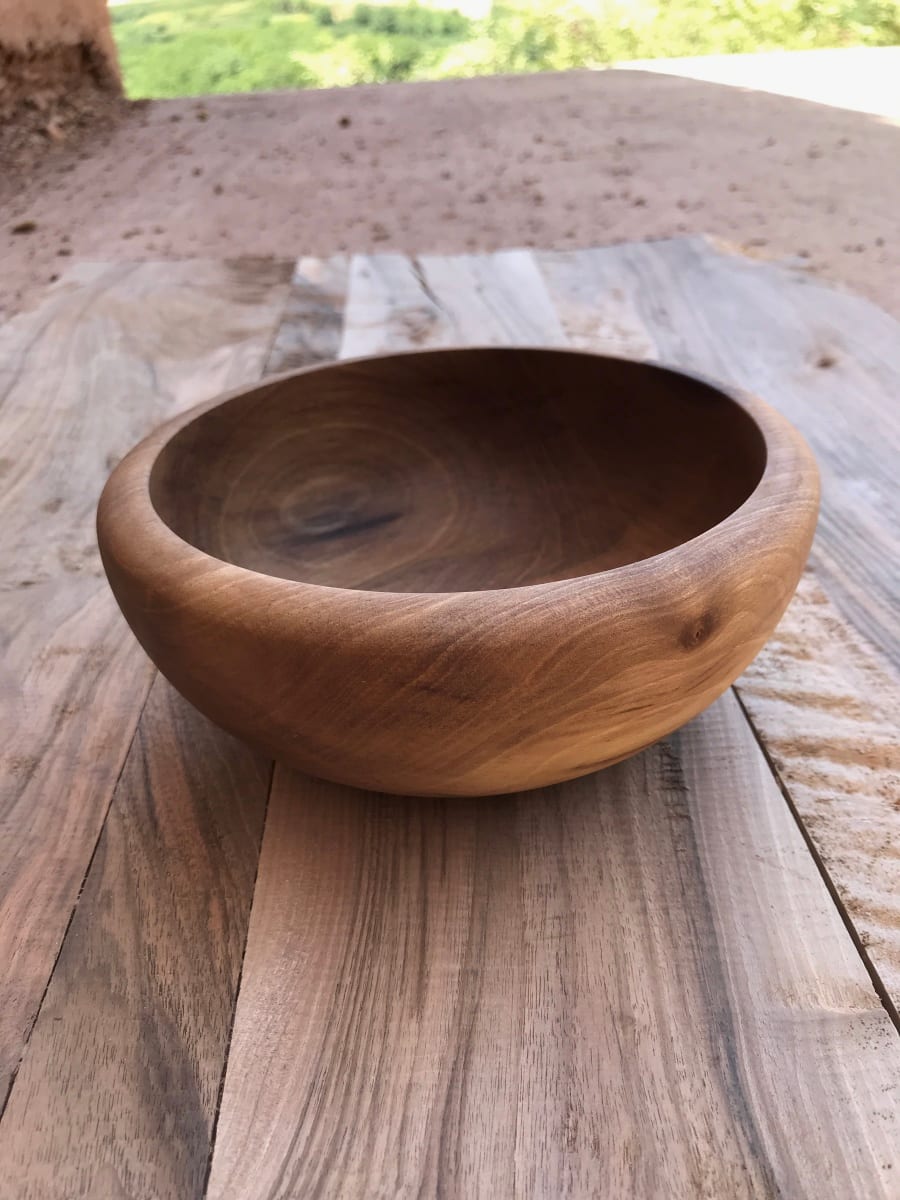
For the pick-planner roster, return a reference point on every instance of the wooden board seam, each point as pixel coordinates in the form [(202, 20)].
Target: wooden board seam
[(68, 925), (270, 344), (880, 989), (214, 1128)]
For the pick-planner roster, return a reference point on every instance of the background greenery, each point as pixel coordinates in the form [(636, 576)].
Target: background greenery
[(195, 47)]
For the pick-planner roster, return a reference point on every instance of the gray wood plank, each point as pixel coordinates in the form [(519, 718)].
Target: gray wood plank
[(828, 360), (826, 708), (823, 700), (109, 353), (397, 303), (313, 319)]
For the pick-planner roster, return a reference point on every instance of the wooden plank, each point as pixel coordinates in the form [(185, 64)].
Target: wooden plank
[(108, 354), (829, 361), (397, 303), (826, 708), (388, 309), (634, 984), (821, 702), (313, 319), (157, 940), (492, 299), (118, 1091)]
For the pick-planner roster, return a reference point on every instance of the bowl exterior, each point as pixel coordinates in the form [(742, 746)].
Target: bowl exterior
[(463, 693)]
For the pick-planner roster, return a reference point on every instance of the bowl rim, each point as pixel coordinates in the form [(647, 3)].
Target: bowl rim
[(788, 461)]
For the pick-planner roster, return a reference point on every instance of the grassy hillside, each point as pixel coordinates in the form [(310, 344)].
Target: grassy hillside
[(195, 47)]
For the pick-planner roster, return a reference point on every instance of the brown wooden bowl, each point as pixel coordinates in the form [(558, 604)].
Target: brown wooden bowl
[(460, 572)]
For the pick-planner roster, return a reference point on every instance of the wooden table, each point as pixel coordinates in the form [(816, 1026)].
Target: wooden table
[(676, 978)]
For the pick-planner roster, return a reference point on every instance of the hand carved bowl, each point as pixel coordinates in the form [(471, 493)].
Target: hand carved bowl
[(460, 572)]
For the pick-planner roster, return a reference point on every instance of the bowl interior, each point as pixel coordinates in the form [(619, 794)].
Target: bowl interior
[(458, 470)]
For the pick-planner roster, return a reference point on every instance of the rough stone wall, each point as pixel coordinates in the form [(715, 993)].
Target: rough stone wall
[(52, 48)]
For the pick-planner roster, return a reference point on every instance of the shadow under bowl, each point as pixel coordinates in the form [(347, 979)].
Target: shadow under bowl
[(460, 571)]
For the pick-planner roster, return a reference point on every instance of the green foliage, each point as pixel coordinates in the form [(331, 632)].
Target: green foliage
[(388, 59), (410, 20), (194, 47)]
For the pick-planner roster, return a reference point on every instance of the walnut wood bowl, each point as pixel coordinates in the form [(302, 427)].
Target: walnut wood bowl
[(460, 572)]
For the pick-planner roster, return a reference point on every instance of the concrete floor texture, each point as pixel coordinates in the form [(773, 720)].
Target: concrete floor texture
[(555, 161)]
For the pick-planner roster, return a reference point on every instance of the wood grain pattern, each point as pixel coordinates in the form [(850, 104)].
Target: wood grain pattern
[(632, 985), (482, 470), (157, 941), (490, 299), (460, 572), (397, 303), (118, 1091), (828, 361), (826, 707), (821, 700), (110, 352), (310, 328)]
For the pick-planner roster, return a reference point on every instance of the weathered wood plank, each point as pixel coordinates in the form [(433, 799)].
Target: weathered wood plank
[(397, 303), (118, 1091), (388, 309), (826, 708), (632, 985), (109, 353), (157, 940), (492, 299), (823, 704), (829, 361), (313, 319)]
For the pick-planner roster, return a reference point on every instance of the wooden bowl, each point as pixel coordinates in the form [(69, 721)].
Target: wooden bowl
[(460, 572)]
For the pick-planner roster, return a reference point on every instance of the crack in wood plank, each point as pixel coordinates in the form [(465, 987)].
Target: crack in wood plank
[(110, 352)]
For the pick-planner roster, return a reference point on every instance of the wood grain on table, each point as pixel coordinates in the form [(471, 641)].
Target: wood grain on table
[(823, 694), (632, 985), (826, 708), (429, 1120), (112, 351), (637, 984), (825, 359), (127, 1054)]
